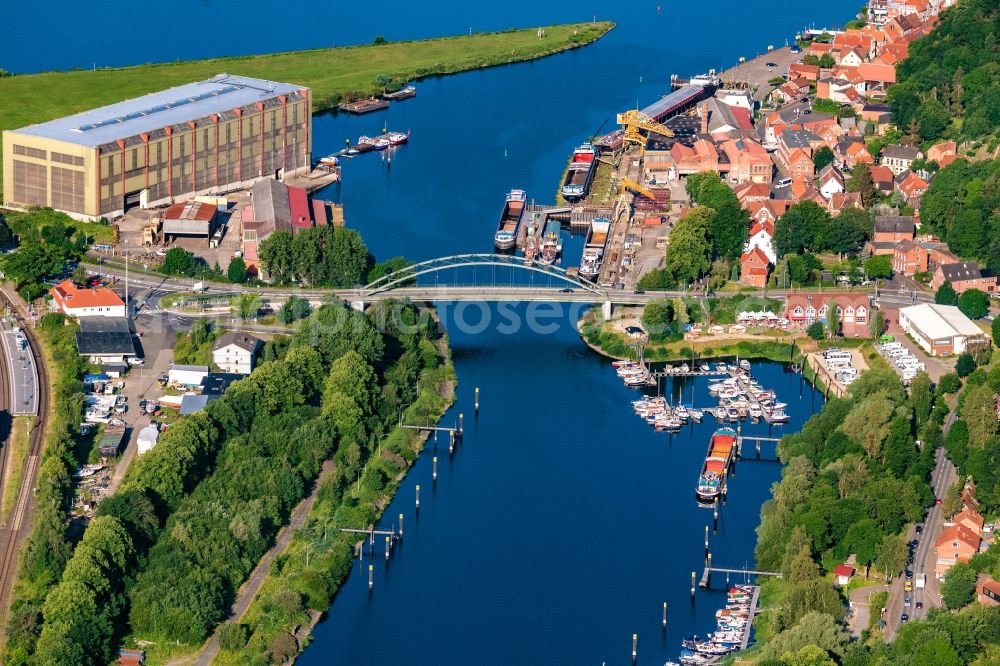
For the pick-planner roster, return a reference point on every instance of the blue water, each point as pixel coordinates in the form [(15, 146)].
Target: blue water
[(561, 525)]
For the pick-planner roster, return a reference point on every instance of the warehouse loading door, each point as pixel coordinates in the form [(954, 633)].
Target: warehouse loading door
[(132, 200)]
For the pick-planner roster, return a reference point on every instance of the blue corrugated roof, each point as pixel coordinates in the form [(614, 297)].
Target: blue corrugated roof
[(160, 109), (680, 97)]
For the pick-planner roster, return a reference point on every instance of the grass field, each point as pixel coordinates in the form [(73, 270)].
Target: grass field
[(333, 74), (19, 444)]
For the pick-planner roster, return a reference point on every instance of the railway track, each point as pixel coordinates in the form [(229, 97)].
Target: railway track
[(20, 517)]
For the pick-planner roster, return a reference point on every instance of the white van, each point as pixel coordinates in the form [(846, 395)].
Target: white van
[(833, 355), (782, 183)]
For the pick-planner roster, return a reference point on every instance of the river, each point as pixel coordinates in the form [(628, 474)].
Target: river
[(563, 523)]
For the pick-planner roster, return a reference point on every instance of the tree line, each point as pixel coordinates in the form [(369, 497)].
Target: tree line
[(947, 85), (195, 514), (960, 207), (854, 478)]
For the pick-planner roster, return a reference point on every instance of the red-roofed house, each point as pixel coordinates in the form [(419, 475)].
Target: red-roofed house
[(701, 157), (939, 151), (852, 57), (842, 201), (877, 74), (748, 161), (857, 153), (802, 309), (753, 268), (988, 591), (749, 192), (808, 72), (74, 301), (955, 544), (842, 574), (883, 178), (767, 211), (799, 163), (970, 519), (911, 186), (909, 257)]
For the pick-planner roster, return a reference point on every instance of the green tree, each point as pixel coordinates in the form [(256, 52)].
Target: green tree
[(246, 306), (921, 397), (833, 321), (822, 158), (178, 261), (802, 227), (689, 252), (846, 232), (658, 317), (816, 331), (862, 539), (965, 364), (945, 295), (876, 323), (995, 330), (237, 271), (891, 555), (958, 585), (949, 383), (934, 119), (79, 275), (979, 414), (276, 256), (879, 266), (951, 503), (293, 309), (813, 628), (973, 303), (862, 183)]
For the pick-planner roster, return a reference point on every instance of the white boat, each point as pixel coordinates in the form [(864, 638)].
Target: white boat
[(755, 411), (696, 414), (745, 365), (727, 392), (777, 416), (397, 138)]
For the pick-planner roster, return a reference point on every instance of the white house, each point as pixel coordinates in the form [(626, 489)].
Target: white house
[(235, 352), (830, 182), (761, 234), (187, 375), (76, 302), (147, 438)]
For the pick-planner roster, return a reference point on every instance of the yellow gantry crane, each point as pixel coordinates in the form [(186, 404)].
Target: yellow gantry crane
[(635, 122)]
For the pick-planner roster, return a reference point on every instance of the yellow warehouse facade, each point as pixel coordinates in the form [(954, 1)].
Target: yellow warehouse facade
[(206, 137)]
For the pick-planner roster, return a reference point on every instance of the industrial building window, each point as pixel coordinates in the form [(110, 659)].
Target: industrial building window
[(135, 158), (66, 159), (28, 151), (30, 183), (67, 189)]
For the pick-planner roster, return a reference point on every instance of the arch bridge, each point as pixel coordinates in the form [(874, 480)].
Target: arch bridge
[(406, 277)]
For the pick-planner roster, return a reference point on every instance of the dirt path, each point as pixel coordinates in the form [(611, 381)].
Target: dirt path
[(250, 588)]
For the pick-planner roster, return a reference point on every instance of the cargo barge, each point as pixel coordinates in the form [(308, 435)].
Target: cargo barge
[(399, 95), (363, 106), (580, 173), (712, 480), (593, 247), (505, 238)]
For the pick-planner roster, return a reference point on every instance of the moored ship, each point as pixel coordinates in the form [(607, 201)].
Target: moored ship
[(580, 173), (712, 481), (593, 247), (505, 237)]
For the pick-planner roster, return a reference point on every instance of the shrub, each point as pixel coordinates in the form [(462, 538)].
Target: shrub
[(949, 383), (965, 365), (816, 331), (232, 636)]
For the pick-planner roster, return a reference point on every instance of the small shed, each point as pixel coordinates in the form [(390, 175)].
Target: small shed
[(192, 403), (187, 375), (147, 438), (189, 218), (842, 573), (111, 441)]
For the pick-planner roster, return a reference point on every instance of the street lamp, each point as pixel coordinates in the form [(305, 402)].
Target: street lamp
[(126, 278)]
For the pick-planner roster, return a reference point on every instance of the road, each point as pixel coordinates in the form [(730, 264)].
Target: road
[(561, 291), (924, 558), (20, 522)]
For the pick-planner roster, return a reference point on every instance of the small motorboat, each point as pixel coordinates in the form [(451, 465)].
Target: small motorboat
[(755, 411), (397, 138)]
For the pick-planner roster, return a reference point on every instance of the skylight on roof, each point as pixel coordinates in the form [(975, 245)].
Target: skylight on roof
[(158, 109)]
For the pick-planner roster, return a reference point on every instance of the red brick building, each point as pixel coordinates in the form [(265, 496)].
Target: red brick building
[(853, 309), (908, 258), (963, 275), (753, 268)]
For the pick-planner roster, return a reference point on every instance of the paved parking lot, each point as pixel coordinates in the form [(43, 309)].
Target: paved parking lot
[(23, 375)]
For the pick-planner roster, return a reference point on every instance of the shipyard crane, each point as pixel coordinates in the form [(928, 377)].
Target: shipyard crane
[(634, 123), (622, 204)]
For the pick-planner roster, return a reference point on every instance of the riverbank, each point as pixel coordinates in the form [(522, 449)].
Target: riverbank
[(334, 74), (317, 552)]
